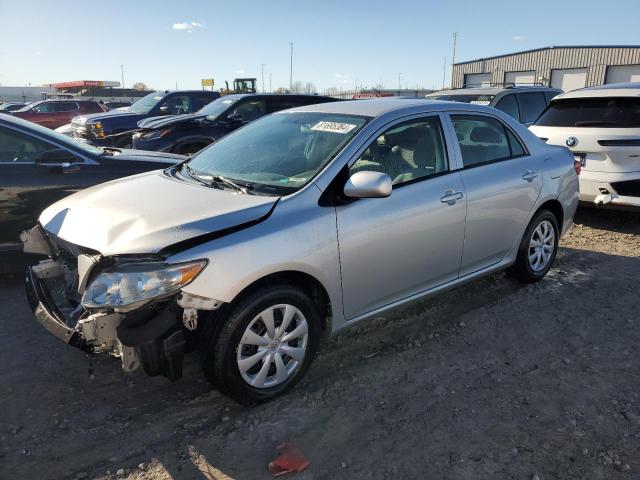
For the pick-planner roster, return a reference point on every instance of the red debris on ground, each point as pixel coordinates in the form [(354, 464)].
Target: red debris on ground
[(290, 459)]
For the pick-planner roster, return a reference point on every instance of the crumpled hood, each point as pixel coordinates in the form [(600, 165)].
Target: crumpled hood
[(148, 212), (152, 123)]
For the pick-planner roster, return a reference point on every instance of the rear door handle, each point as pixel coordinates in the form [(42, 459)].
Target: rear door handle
[(451, 197), (529, 176)]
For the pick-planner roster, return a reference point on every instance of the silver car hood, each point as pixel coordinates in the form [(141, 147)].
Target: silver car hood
[(148, 212)]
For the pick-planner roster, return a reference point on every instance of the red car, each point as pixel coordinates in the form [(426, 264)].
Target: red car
[(55, 113)]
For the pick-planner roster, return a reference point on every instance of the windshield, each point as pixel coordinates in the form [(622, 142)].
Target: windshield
[(277, 154), (592, 112), (218, 106), (466, 98), (146, 103)]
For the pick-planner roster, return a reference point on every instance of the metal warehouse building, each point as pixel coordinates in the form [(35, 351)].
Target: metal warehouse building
[(567, 68)]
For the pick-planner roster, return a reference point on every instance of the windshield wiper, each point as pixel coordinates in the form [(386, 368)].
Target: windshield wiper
[(110, 150), (231, 183), (210, 180)]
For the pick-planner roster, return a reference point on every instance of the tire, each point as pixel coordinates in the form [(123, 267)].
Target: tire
[(530, 266), (244, 339)]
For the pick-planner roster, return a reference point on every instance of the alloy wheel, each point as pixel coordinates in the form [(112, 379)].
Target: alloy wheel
[(542, 246)]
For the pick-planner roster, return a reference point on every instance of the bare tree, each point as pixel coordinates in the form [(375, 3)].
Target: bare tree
[(297, 87), (332, 91), (140, 86), (310, 88), (281, 90)]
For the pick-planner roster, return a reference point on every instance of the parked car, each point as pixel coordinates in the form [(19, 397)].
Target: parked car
[(309, 219), (55, 113), (187, 134), (601, 126), (525, 104), (39, 166), (11, 107), (115, 128)]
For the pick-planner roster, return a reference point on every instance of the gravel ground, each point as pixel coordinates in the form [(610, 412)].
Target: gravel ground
[(494, 380)]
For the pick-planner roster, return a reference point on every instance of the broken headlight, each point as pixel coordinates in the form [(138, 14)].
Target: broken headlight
[(133, 284)]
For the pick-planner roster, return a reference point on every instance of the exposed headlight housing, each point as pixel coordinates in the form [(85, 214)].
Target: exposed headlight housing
[(132, 285)]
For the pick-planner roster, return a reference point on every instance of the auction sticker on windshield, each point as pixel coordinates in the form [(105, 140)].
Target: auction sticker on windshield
[(480, 102), (333, 127)]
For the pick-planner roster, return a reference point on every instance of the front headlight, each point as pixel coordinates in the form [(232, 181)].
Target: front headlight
[(133, 284)]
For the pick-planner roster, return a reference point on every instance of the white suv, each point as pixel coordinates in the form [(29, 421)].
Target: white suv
[(601, 126)]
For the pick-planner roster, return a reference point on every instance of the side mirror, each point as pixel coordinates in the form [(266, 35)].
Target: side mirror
[(368, 185), (164, 110)]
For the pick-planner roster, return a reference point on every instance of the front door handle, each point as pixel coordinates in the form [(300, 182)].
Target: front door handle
[(529, 176), (451, 197)]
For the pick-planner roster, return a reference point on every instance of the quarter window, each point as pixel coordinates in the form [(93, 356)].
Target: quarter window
[(531, 106), (18, 147), (407, 152), (508, 105), (484, 140)]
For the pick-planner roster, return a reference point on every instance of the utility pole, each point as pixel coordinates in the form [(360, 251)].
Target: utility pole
[(122, 74), (453, 57), (291, 70), (399, 83), (262, 66), (270, 90), (444, 71)]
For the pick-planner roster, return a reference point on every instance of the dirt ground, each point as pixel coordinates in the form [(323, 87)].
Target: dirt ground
[(494, 380)]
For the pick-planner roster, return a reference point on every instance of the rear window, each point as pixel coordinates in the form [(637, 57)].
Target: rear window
[(592, 112)]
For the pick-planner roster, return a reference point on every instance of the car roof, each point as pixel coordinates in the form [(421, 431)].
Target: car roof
[(492, 90), (380, 106), (631, 89)]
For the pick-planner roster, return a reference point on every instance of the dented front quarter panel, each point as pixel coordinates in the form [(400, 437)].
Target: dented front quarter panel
[(298, 236)]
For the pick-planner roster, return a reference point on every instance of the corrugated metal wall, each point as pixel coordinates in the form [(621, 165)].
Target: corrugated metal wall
[(543, 61)]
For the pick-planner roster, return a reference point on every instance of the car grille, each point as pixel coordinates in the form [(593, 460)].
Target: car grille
[(630, 188)]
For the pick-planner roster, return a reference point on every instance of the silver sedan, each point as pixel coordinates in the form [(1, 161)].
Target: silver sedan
[(314, 218)]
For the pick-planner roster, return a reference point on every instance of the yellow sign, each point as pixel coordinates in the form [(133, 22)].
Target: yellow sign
[(207, 82)]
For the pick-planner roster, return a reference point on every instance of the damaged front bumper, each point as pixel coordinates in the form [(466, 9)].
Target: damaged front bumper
[(152, 336)]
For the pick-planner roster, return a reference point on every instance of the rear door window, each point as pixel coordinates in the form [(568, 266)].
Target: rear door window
[(508, 105), (622, 112), (65, 106), (532, 105), (200, 100), (484, 140)]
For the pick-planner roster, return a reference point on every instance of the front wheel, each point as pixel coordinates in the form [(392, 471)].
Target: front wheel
[(538, 248), (265, 345)]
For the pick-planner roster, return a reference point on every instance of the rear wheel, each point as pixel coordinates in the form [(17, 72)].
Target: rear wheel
[(538, 248), (265, 345)]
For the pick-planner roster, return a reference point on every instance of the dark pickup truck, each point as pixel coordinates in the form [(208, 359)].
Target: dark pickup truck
[(187, 134), (114, 128)]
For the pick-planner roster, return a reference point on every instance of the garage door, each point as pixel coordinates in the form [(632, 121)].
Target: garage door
[(477, 80), (568, 79), (520, 78), (623, 74)]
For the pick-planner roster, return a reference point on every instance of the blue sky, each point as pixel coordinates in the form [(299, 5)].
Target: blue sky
[(336, 43)]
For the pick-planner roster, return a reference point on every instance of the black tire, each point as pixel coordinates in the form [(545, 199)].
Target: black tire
[(219, 346), (522, 269)]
